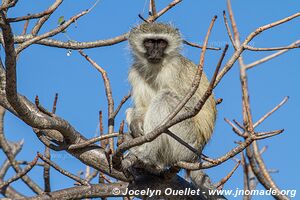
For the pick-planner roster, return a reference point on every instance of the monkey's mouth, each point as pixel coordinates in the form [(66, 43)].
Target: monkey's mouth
[(154, 60)]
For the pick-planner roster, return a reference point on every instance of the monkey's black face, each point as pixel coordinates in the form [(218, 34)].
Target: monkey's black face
[(155, 50)]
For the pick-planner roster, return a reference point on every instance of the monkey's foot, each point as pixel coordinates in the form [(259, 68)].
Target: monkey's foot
[(171, 172), (127, 164)]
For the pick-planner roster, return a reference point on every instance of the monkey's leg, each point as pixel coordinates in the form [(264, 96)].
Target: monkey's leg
[(203, 182), (170, 150), (165, 151)]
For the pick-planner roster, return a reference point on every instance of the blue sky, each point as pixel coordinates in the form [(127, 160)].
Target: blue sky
[(44, 71)]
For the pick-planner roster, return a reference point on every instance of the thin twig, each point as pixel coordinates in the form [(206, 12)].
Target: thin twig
[(246, 176), (125, 98), (142, 18), (110, 100), (20, 174), (160, 13), (152, 8), (227, 177), (92, 175), (247, 116), (39, 24), (16, 148), (265, 59), (199, 46), (87, 172), (102, 176), (228, 30), (181, 141), (230, 154), (270, 112), (208, 159), (234, 128), (48, 155), (103, 143), (9, 191), (8, 152), (92, 141), (25, 27), (50, 10), (46, 172), (8, 5), (263, 135), (239, 125), (26, 111), (62, 171), (292, 46), (41, 108), (248, 123), (25, 162), (121, 134), (263, 150), (248, 39), (37, 15), (70, 44), (54, 103), (53, 32)]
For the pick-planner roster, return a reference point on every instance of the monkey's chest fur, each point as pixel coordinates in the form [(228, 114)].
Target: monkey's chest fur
[(156, 91)]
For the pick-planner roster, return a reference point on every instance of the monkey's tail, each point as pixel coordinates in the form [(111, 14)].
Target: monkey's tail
[(203, 182)]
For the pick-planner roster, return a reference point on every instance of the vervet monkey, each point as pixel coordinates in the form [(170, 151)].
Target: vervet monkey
[(160, 78)]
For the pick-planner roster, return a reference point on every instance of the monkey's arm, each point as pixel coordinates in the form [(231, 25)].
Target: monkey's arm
[(135, 121)]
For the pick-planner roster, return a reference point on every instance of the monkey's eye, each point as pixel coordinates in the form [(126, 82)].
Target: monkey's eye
[(149, 43), (162, 43)]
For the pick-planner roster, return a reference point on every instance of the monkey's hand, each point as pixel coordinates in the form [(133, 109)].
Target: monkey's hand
[(135, 121), (136, 127)]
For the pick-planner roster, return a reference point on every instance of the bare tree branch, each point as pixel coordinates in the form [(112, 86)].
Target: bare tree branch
[(248, 123), (26, 111), (62, 171), (20, 174), (110, 100), (228, 30), (45, 16), (10, 192), (160, 13), (152, 7), (8, 4), (199, 46), (230, 154), (8, 152), (221, 183), (248, 39), (93, 140), (270, 112), (246, 176), (125, 98), (58, 134), (49, 11), (292, 46), (51, 33), (71, 44), (265, 59)]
